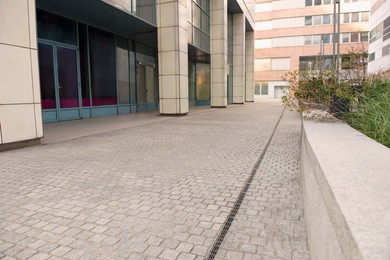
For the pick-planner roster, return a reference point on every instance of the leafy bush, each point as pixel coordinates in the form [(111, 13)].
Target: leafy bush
[(363, 102)]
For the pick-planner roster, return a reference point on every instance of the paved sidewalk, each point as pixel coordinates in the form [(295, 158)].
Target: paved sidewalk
[(269, 223), (154, 191)]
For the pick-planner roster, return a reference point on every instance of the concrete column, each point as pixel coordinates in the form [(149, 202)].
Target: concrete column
[(218, 43), (20, 98), (238, 58), (173, 56), (249, 66)]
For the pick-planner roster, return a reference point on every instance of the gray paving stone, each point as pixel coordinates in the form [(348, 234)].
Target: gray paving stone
[(164, 188)]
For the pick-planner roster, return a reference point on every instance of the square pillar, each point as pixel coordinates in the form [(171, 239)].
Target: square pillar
[(238, 58), (20, 97), (249, 66), (172, 56), (219, 52)]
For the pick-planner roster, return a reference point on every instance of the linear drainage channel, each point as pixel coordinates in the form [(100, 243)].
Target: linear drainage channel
[(229, 220)]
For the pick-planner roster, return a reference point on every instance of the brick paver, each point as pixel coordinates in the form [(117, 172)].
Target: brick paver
[(157, 191), (269, 223)]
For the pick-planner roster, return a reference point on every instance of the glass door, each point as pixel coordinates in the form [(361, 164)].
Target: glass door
[(59, 76), (146, 86)]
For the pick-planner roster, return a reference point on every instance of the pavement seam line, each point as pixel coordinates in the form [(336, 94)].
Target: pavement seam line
[(236, 206)]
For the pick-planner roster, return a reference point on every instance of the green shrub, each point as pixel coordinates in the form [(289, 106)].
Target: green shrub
[(371, 116)]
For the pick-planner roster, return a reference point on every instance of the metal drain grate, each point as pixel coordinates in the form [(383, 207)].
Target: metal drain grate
[(229, 220)]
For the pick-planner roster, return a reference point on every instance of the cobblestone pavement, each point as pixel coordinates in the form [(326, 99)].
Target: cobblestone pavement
[(269, 223), (157, 191)]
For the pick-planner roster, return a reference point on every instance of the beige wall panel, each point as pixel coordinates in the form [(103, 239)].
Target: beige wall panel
[(17, 122), (15, 75), (14, 25)]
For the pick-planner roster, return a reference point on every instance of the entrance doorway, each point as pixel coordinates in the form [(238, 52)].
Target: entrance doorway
[(146, 86), (59, 78)]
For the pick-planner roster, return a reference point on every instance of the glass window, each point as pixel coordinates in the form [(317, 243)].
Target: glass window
[(326, 2), (316, 39), (84, 70), (385, 50), (326, 38), (364, 36), (205, 23), (346, 18), (264, 88), (308, 21), (102, 56), (317, 2), (122, 70), (46, 75), (345, 37), (308, 39), (196, 15), (309, 2), (355, 17), (146, 10), (354, 37), (326, 19), (365, 16), (203, 81), (371, 56), (257, 88), (56, 28), (132, 64), (317, 20)]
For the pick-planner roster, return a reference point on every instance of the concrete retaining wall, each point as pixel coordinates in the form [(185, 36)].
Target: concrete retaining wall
[(346, 191)]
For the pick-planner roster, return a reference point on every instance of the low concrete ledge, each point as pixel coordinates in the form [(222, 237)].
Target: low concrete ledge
[(346, 193)]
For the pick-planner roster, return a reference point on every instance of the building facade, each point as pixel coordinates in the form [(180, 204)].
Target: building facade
[(64, 60), (379, 48), (295, 35)]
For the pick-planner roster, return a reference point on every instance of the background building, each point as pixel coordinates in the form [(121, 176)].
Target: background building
[(64, 60), (379, 49), (291, 35)]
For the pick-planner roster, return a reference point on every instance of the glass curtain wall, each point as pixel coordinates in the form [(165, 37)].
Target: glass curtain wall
[(200, 24), (105, 66)]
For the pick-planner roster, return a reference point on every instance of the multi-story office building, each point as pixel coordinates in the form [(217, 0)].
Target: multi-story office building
[(379, 48), (293, 35), (62, 60)]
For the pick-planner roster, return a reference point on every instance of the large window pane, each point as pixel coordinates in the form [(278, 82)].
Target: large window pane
[(365, 16), (84, 71), (257, 89), (346, 18), (196, 15), (67, 77), (308, 20), (308, 39), (56, 28), (317, 20), (264, 88), (316, 39), (309, 2), (345, 37), (122, 70), (146, 9), (326, 19), (354, 37), (364, 36), (46, 75), (133, 86), (102, 55), (355, 17), (202, 81)]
